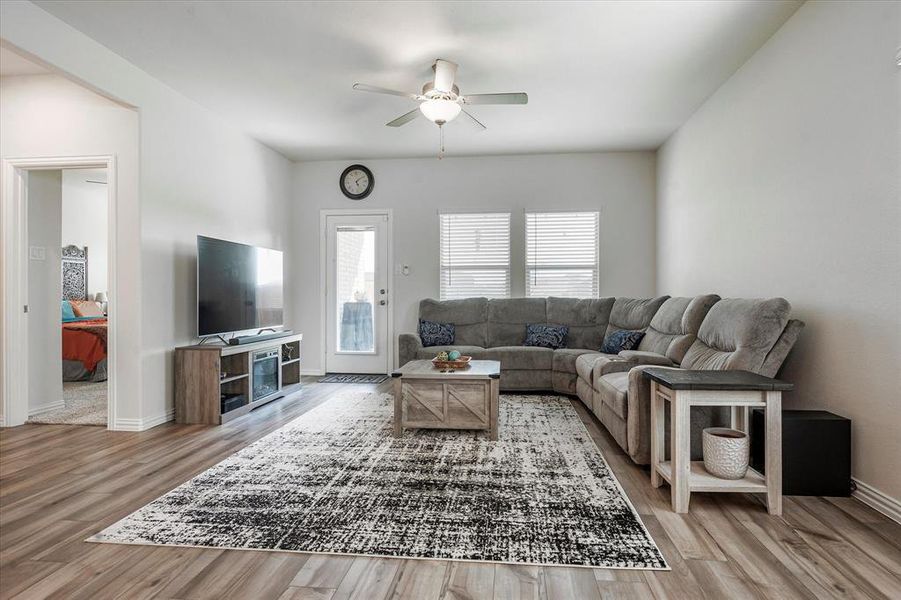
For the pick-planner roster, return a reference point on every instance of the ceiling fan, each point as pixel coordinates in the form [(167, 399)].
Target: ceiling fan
[(440, 100)]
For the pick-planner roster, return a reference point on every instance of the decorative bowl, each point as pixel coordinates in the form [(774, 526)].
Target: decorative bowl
[(726, 452), (460, 363)]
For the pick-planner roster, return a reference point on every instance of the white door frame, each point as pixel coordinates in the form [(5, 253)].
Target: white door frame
[(14, 279), (324, 214)]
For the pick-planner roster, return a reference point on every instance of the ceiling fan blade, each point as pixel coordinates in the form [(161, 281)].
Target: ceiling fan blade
[(445, 73), (511, 98), (473, 120), (404, 119), (363, 87)]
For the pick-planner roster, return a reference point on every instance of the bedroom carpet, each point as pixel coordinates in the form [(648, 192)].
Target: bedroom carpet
[(85, 405), (335, 481)]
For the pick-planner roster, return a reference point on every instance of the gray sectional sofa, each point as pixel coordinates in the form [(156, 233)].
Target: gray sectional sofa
[(704, 332)]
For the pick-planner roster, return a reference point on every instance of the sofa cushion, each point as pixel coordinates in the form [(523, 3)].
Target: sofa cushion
[(546, 336), (585, 364), (477, 352), (526, 379), (614, 391), (675, 326), (633, 313), (621, 339), (565, 359), (508, 317), (521, 357), (433, 333), (564, 383), (587, 319), (738, 333), (469, 316)]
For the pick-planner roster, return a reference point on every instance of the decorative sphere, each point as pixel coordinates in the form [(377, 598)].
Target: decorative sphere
[(453, 355), (442, 356)]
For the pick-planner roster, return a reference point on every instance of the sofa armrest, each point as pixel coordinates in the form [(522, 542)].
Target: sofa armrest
[(640, 357), (408, 345), (638, 423), (605, 365)]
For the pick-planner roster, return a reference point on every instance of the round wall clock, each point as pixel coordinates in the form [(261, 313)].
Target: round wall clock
[(356, 182)]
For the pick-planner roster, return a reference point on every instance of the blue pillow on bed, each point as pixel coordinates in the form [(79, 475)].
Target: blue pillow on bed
[(68, 313)]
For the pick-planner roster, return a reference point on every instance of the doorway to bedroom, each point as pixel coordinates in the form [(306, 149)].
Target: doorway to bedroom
[(67, 264)]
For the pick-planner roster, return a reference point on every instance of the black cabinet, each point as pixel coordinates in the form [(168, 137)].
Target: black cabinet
[(816, 452)]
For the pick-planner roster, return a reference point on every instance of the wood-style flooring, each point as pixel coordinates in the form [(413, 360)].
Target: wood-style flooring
[(60, 483)]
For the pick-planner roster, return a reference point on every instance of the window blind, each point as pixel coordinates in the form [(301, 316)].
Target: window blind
[(562, 254), (475, 255)]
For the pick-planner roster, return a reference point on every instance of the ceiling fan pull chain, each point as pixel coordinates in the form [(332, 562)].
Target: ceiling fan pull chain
[(440, 142)]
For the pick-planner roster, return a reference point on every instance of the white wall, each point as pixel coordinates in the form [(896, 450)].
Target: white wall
[(620, 185), (786, 183), (85, 221), (198, 175), (45, 364)]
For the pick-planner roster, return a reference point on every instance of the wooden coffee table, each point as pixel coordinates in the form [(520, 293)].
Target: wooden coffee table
[(427, 397)]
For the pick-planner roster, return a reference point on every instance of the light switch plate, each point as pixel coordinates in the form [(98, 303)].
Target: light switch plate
[(37, 253)]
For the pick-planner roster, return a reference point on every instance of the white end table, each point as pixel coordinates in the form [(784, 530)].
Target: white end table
[(740, 390)]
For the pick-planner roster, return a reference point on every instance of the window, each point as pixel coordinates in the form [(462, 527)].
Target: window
[(475, 255), (562, 254)]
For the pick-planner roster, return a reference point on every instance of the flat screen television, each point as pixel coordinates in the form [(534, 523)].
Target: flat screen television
[(239, 287)]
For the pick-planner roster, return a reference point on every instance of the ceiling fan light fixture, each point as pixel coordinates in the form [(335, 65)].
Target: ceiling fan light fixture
[(440, 110)]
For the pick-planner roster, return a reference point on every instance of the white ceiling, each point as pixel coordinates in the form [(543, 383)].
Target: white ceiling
[(600, 75), (13, 64)]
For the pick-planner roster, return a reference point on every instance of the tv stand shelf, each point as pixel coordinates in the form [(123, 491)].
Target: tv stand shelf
[(209, 375)]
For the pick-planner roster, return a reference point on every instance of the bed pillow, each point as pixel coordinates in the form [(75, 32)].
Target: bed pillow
[(86, 308), (436, 334), (68, 313), (621, 339), (546, 336)]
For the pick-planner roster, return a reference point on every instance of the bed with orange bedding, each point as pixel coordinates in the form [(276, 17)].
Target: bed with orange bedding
[(84, 349)]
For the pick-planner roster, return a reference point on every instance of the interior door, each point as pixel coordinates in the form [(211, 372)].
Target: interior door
[(357, 294)]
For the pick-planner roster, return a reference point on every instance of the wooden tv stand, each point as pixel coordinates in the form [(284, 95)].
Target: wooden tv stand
[(206, 374)]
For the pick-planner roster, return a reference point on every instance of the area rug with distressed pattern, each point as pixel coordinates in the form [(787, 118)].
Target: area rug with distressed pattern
[(335, 481)]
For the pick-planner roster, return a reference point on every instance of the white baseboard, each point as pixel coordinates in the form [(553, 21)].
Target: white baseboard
[(144, 424), (312, 372), (46, 408), (878, 500), (2, 421)]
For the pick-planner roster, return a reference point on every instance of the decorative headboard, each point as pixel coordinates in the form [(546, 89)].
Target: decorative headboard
[(75, 273)]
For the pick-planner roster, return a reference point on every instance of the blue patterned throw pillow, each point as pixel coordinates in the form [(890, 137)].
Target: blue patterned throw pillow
[(436, 334), (546, 336), (621, 339)]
